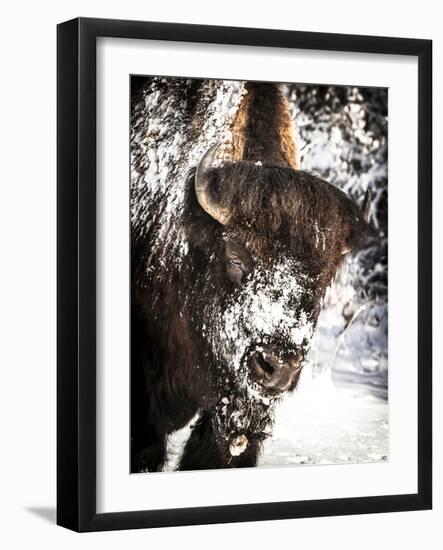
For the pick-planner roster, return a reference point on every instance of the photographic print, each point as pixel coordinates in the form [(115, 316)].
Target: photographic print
[(259, 285)]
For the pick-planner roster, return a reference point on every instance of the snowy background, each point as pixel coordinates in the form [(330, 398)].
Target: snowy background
[(339, 411)]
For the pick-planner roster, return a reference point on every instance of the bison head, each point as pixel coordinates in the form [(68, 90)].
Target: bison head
[(265, 242)]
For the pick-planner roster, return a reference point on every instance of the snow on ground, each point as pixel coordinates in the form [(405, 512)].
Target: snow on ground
[(325, 423), (339, 411)]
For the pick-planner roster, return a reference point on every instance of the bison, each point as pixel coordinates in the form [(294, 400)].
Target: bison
[(231, 258)]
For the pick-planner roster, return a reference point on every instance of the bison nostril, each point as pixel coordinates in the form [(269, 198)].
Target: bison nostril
[(273, 371), (263, 368), (266, 367)]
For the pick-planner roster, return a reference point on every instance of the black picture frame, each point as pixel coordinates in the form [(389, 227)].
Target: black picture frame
[(76, 273)]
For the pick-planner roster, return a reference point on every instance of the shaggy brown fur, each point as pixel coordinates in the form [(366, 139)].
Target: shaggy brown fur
[(262, 129)]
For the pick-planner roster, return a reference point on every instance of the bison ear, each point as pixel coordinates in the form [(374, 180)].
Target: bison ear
[(360, 235), (361, 230)]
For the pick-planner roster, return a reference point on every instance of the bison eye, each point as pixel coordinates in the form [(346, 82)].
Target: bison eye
[(235, 270), (236, 262)]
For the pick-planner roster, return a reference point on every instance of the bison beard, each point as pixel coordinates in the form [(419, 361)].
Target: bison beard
[(227, 282)]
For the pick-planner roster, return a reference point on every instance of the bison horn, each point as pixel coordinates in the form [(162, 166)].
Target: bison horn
[(366, 206), (202, 188)]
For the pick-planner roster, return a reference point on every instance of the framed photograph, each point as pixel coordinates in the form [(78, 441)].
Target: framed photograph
[(244, 274)]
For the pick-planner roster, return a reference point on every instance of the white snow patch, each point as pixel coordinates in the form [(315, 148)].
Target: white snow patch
[(266, 307)]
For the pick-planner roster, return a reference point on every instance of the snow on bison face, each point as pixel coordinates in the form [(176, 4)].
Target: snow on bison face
[(265, 326)]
